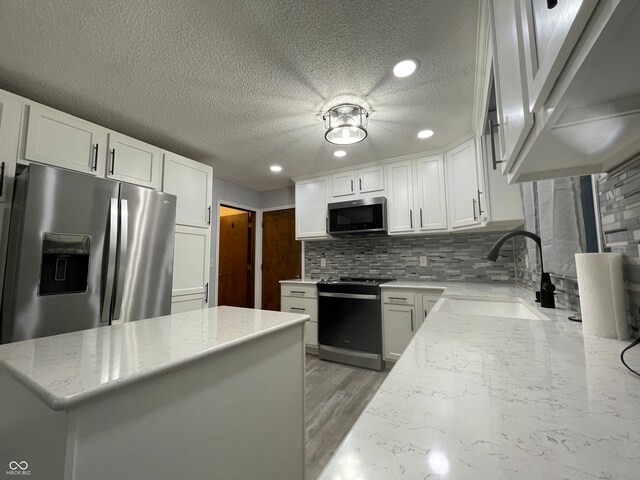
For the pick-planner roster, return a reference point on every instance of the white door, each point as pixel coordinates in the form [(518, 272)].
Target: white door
[(133, 161), (191, 182), (191, 262), (10, 109), (515, 120), (343, 184), (55, 138), (399, 325), (400, 197), (462, 185), (311, 208), (371, 179), (431, 194), (187, 303), (549, 35)]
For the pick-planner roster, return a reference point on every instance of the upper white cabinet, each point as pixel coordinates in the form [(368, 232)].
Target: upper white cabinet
[(549, 36), (133, 161), (311, 207), (191, 182), (514, 117), (462, 186), (430, 194), (61, 140), (364, 181), (10, 109), (400, 197)]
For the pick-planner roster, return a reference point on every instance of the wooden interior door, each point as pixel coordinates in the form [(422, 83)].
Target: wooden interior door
[(235, 275), (281, 254)]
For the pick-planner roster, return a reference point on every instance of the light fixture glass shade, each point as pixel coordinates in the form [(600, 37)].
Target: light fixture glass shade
[(346, 124)]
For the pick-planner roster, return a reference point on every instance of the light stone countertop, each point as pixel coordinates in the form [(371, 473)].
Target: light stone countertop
[(63, 370), (479, 398), (306, 281)]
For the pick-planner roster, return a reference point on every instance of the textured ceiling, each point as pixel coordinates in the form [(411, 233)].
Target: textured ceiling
[(243, 84)]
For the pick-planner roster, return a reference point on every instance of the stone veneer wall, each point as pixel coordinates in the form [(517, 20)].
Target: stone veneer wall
[(451, 257)]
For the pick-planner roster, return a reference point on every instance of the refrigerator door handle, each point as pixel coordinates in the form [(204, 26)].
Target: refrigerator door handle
[(111, 261), (122, 256)]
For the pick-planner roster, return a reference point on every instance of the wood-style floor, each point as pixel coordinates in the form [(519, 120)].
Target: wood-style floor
[(336, 395)]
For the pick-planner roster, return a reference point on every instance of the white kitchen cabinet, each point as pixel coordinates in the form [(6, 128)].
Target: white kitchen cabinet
[(311, 207), (515, 120), (191, 262), (191, 182), (297, 298), (344, 184), (188, 303), (133, 161), (430, 194), (426, 302), (10, 110), (399, 325), (400, 197), (371, 179), (549, 36), (462, 185), (55, 138)]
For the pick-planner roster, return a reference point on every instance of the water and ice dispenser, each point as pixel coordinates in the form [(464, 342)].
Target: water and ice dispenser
[(65, 263)]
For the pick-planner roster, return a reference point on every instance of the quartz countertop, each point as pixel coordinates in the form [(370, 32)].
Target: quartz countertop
[(63, 370), (306, 281), (476, 397)]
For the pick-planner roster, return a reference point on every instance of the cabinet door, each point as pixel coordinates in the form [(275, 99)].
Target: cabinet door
[(371, 179), (549, 36), (191, 182), (10, 109), (399, 326), (515, 120), (343, 184), (58, 139), (431, 194), (191, 262), (311, 208), (427, 301), (187, 303), (400, 197), (462, 185), (133, 161), (311, 333)]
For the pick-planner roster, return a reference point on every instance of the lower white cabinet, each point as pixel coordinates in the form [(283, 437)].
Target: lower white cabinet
[(302, 299), (191, 262), (133, 161)]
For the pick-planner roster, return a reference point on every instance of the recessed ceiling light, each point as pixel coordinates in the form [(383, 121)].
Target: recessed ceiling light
[(425, 133), (275, 168), (339, 153), (405, 68)]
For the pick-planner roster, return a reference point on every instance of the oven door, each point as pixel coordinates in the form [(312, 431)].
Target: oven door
[(359, 216), (351, 321)]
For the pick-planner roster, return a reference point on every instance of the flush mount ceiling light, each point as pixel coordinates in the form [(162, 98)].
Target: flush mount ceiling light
[(346, 124), (339, 153), (405, 68), (275, 168), (425, 133)]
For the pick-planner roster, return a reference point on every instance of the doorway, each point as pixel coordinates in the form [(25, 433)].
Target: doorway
[(236, 257), (281, 254)]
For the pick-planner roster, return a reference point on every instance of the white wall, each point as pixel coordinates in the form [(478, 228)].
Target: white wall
[(277, 198)]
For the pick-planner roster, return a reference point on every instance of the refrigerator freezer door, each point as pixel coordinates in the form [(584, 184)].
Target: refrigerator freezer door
[(58, 248), (145, 254)]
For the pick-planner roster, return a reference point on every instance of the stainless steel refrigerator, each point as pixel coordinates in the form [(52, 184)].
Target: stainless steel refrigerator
[(85, 252)]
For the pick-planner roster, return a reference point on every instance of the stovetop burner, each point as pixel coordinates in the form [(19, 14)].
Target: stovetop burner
[(356, 281)]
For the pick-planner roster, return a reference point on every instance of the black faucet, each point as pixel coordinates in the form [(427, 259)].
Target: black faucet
[(546, 294)]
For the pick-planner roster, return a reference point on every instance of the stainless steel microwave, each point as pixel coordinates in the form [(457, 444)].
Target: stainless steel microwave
[(365, 216)]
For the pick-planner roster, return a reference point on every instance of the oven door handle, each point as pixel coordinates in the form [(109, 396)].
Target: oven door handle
[(359, 296)]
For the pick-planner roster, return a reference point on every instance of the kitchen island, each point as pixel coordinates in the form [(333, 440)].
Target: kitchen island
[(215, 393), (480, 397)]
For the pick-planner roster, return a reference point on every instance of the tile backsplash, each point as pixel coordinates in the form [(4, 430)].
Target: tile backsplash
[(458, 257)]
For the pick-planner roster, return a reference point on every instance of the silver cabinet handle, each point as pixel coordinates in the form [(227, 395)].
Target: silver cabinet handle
[(352, 185), (111, 261), (421, 225), (95, 158), (209, 215), (301, 292), (113, 161), (425, 314), (480, 211), (495, 162), (298, 308), (122, 256), (360, 183), (475, 217), (410, 218), (1, 178), (404, 299), (411, 312)]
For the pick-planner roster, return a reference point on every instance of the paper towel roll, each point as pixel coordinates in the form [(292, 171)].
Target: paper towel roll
[(602, 302)]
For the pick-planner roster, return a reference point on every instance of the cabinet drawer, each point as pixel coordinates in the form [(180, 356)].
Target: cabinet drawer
[(305, 306), (308, 291), (398, 297)]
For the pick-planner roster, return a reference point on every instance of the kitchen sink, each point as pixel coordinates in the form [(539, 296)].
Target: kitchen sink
[(489, 308)]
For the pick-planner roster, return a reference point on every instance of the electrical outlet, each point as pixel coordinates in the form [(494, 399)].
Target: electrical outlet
[(323, 262), (423, 261)]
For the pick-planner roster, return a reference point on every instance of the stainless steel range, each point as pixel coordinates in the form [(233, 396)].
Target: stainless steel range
[(350, 321)]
